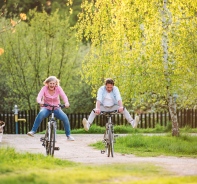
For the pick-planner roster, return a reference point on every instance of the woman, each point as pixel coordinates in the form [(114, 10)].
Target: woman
[(49, 94)]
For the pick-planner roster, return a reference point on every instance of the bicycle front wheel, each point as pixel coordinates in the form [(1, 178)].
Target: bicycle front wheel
[(111, 142), (46, 139), (52, 140)]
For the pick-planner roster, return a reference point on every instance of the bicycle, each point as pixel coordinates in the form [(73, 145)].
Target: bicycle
[(109, 137), (50, 135)]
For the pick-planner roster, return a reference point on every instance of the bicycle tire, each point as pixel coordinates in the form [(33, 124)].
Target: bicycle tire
[(111, 142), (47, 140), (52, 140), (108, 143)]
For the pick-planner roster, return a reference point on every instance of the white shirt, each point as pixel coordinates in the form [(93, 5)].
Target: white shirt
[(108, 101)]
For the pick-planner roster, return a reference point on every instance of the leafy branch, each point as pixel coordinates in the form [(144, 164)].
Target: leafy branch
[(13, 23)]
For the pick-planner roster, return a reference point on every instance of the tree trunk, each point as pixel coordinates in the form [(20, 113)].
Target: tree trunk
[(173, 114), (166, 22)]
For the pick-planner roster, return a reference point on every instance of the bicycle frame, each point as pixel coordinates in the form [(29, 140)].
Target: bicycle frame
[(109, 137), (52, 122), (50, 135)]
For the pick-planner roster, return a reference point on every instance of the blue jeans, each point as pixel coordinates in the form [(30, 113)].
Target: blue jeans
[(58, 113)]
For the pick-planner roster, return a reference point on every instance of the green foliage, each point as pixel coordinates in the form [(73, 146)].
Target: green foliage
[(127, 42), (5, 92), (11, 8), (188, 129), (43, 47)]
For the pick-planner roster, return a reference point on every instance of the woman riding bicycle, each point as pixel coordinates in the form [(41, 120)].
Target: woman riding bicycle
[(49, 94)]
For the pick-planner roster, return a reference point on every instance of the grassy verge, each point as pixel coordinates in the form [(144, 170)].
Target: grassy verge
[(148, 142), (155, 145), (28, 168), (127, 129)]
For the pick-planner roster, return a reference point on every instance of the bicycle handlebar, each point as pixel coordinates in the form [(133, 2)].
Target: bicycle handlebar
[(108, 112), (53, 106)]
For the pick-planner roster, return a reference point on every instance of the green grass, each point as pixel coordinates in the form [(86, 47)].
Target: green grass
[(17, 168), (138, 141), (155, 145), (118, 129), (127, 129), (27, 168)]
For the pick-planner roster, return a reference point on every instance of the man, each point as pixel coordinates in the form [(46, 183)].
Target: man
[(109, 99)]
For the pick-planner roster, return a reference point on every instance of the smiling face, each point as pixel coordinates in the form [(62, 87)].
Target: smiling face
[(109, 87), (109, 84), (51, 85)]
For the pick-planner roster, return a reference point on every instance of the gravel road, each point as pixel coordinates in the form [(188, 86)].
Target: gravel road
[(79, 151)]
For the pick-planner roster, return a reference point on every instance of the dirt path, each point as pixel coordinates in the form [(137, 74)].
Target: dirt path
[(79, 151)]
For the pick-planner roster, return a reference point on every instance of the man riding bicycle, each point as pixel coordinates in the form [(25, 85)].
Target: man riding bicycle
[(109, 99)]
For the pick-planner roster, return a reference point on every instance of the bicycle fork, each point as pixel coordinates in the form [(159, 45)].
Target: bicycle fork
[(106, 139), (55, 127), (48, 136), (106, 135)]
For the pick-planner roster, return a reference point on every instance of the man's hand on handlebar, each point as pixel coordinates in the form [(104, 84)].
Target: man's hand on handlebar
[(97, 111), (120, 109)]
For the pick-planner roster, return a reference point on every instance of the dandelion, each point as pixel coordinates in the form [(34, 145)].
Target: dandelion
[(1, 51), (23, 16), (13, 23)]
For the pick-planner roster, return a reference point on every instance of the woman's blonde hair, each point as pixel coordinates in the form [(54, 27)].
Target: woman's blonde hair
[(51, 78)]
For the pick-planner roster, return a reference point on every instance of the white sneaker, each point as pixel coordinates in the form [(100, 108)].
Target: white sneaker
[(86, 125), (70, 138), (31, 133)]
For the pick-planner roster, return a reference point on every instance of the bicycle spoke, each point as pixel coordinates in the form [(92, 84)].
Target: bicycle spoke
[(111, 147), (52, 140), (47, 142)]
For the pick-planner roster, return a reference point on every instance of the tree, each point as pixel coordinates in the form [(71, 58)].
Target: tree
[(33, 52), (5, 91), (136, 43), (11, 8)]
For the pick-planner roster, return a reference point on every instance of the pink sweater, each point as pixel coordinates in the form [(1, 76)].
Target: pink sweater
[(44, 96)]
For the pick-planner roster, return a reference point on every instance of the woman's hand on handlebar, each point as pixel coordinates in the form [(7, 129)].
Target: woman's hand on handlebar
[(67, 105), (41, 104)]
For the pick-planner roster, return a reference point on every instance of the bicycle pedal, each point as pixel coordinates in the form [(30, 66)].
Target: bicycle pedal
[(42, 139), (102, 151), (43, 144), (57, 148)]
